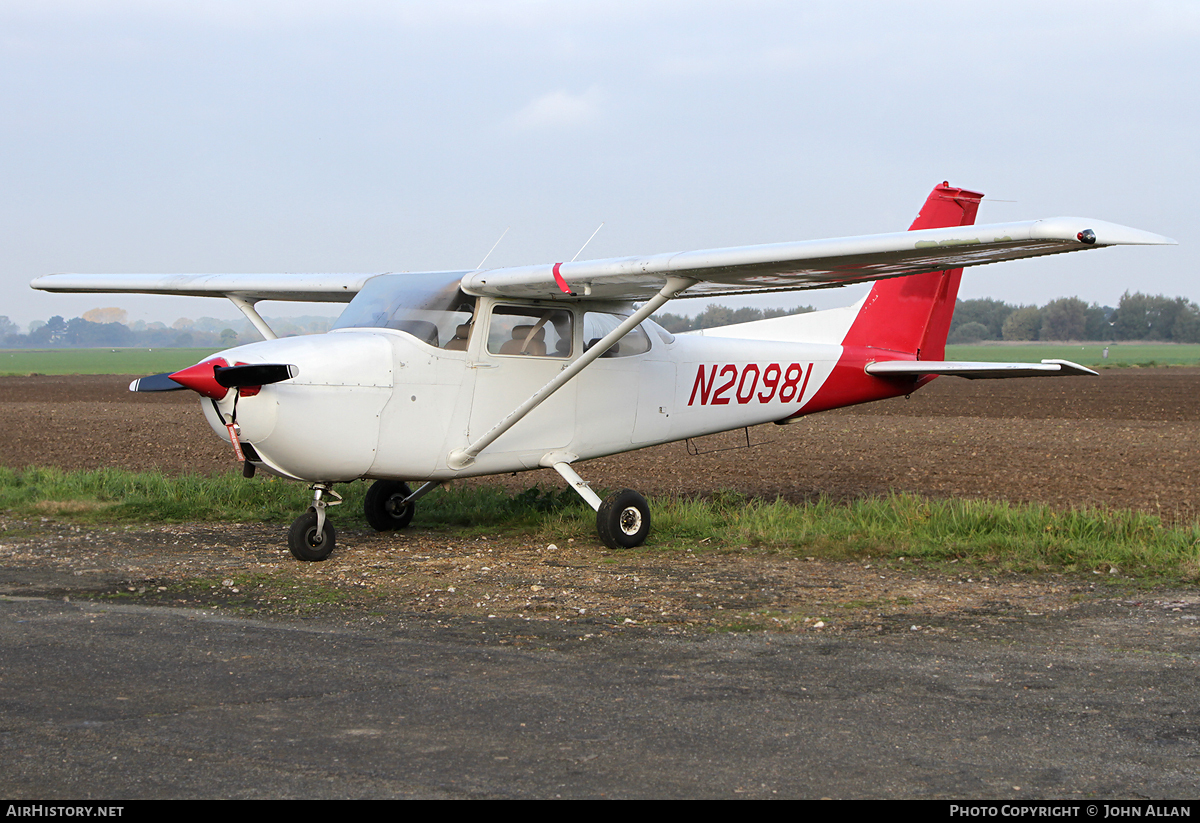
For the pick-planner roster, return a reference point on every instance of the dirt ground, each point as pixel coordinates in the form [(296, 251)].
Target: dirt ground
[(1125, 439)]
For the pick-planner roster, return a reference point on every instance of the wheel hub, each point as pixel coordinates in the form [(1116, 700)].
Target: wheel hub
[(631, 520)]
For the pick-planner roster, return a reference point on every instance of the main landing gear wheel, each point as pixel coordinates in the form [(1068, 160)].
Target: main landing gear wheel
[(623, 520), (384, 508), (304, 541)]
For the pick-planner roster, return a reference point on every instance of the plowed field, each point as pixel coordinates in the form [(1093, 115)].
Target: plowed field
[(1127, 438)]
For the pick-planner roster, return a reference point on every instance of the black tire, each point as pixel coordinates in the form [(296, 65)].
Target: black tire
[(623, 520), (304, 542), (382, 505)]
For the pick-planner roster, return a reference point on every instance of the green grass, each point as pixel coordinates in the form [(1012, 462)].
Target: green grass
[(108, 495), (1008, 536), (98, 361), (1087, 354), (1026, 537)]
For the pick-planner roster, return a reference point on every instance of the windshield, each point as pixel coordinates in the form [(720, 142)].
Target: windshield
[(429, 306)]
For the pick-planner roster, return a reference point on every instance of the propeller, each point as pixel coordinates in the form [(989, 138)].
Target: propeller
[(156, 382), (257, 374), (214, 378)]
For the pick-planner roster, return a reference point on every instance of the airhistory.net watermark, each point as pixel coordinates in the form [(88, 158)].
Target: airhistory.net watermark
[(40, 810)]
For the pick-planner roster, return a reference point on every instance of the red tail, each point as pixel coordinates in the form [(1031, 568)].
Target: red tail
[(912, 314), (903, 318)]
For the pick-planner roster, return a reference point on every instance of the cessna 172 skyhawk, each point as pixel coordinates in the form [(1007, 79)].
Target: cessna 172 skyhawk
[(430, 377)]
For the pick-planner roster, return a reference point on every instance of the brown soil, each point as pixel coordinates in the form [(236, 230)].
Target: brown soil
[(1126, 439)]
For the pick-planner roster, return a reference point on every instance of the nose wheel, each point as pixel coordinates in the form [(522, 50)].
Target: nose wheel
[(308, 542), (312, 537)]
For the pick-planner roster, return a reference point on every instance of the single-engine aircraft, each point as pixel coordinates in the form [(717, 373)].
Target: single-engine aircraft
[(434, 376)]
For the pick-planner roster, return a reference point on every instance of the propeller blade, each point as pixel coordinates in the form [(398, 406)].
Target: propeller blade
[(260, 374), (156, 382)]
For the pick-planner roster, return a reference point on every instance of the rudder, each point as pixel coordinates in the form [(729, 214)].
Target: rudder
[(912, 314)]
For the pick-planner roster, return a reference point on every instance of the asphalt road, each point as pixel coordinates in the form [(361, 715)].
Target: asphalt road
[(102, 701)]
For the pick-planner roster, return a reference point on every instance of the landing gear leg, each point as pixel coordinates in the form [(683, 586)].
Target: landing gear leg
[(622, 521), (312, 536)]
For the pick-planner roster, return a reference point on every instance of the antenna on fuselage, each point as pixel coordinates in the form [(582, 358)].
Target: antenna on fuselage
[(493, 248), (584, 246)]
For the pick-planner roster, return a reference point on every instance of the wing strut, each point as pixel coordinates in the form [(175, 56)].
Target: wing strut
[(462, 458), (246, 307)]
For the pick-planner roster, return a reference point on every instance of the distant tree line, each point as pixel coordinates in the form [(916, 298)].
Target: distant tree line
[(107, 327), (715, 315), (1137, 317)]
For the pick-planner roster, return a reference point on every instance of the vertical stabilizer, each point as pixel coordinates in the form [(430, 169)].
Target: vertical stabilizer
[(912, 314), (903, 318)]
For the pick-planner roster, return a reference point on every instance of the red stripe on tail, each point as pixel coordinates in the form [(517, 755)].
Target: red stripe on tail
[(912, 314), (903, 318)]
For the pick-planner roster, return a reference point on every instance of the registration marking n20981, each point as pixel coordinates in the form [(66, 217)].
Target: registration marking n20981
[(721, 384)]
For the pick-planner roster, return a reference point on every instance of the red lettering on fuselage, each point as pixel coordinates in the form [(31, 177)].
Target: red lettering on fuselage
[(703, 386), (746, 372), (784, 384), (718, 398)]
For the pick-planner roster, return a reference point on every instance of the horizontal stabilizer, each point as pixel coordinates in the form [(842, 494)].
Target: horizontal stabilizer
[(976, 370)]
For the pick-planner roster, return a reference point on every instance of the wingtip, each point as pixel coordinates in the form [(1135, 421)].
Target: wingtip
[(1098, 232), (1137, 237)]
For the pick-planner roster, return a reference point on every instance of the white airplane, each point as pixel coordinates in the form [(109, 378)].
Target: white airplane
[(440, 375)]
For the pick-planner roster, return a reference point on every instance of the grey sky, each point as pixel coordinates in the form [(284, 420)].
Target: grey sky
[(373, 136)]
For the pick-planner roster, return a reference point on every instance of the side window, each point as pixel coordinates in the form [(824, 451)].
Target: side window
[(463, 322), (597, 324), (530, 331)]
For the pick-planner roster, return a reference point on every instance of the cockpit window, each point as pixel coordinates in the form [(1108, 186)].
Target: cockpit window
[(530, 331), (429, 306), (597, 324)]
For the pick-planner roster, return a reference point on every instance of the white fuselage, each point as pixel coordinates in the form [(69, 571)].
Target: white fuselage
[(380, 403)]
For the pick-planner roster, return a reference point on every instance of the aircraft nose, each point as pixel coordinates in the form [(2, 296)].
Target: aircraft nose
[(320, 419), (214, 377), (201, 379)]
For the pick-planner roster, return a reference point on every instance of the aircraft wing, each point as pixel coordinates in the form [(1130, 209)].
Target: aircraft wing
[(812, 264), (316, 288), (975, 370)]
